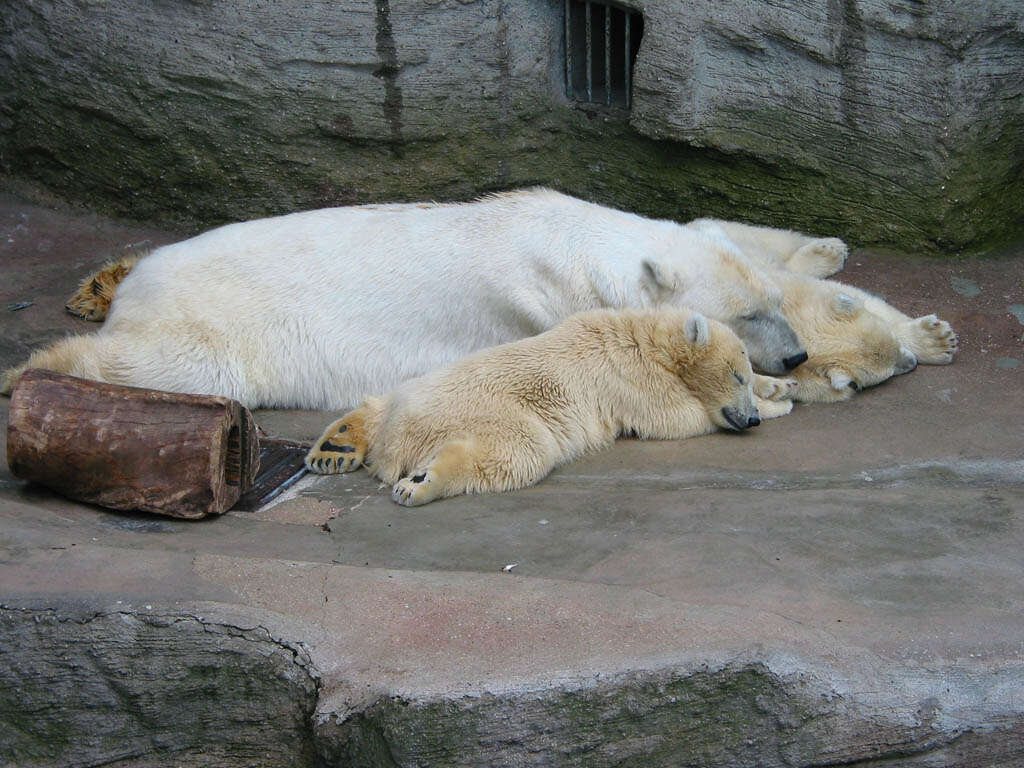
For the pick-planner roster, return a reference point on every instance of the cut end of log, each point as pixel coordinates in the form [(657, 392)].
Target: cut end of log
[(129, 448)]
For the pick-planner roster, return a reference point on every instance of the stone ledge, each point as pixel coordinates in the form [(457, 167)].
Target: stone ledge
[(150, 688)]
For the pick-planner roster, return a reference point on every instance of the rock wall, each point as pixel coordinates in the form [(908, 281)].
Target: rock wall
[(135, 690), (893, 122)]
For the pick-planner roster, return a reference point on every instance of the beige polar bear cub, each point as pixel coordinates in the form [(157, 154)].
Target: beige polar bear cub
[(853, 339), (505, 417)]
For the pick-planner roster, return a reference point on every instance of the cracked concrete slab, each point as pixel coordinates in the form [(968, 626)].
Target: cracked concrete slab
[(840, 586)]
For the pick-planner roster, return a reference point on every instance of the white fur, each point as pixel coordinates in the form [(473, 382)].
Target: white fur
[(317, 309), (781, 248)]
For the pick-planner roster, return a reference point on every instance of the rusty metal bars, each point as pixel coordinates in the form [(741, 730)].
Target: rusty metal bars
[(628, 58), (608, 55), (568, 49), (574, 57), (590, 57)]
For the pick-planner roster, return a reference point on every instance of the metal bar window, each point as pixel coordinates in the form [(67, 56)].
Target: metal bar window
[(598, 67), (627, 70), (568, 50), (590, 59), (607, 55)]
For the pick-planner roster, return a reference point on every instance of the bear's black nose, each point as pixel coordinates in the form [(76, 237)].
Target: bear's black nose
[(753, 421), (790, 363)]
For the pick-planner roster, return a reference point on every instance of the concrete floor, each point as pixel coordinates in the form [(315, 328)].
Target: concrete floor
[(844, 584)]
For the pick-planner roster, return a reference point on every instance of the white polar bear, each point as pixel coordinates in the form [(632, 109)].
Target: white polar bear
[(314, 310)]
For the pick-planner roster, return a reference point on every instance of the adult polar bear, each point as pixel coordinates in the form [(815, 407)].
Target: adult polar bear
[(317, 309)]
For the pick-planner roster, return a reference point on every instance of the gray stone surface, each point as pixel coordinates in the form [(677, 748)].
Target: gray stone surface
[(128, 687), (888, 122), (842, 586)]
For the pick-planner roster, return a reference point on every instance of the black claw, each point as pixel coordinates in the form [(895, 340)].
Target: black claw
[(327, 445), (419, 478)]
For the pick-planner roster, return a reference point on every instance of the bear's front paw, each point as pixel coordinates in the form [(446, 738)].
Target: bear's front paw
[(775, 388), (773, 409), (415, 489), (339, 449), (820, 258), (932, 340)]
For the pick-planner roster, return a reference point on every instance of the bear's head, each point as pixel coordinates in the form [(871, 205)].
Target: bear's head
[(711, 275), (848, 348), (714, 365)]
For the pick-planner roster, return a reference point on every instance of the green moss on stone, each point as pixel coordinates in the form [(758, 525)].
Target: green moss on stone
[(221, 169), (727, 717)]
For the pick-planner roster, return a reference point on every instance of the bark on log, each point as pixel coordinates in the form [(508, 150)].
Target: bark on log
[(128, 448)]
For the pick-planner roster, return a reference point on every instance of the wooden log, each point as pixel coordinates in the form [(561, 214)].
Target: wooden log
[(128, 448)]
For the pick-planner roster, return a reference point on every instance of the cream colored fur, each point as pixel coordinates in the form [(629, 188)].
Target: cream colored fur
[(849, 348), (315, 309), (854, 339), (782, 248), (505, 417), (92, 299)]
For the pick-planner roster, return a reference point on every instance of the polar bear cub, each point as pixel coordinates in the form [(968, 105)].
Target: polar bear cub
[(849, 347), (505, 417), (854, 339)]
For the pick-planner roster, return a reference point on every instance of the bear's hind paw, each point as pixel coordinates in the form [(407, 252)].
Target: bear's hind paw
[(335, 451), (91, 300), (932, 340)]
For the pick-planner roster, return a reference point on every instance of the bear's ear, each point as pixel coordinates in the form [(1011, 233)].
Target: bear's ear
[(839, 379), (661, 275), (698, 332), (845, 305)]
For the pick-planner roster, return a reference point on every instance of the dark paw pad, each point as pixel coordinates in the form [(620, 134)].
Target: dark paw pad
[(419, 478), (327, 445)]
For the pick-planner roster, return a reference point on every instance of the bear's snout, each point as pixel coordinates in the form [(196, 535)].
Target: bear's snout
[(907, 361), (790, 363), (740, 421)]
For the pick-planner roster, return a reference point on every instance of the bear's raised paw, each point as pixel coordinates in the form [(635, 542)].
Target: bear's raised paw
[(820, 258), (341, 448), (932, 340)]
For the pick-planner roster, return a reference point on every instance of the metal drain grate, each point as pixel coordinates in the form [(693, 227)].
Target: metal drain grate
[(281, 465), (601, 44)]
